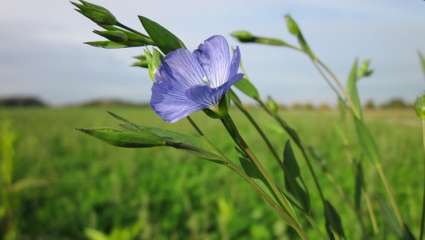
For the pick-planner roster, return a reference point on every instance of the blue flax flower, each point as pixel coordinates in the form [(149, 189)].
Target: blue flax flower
[(187, 82)]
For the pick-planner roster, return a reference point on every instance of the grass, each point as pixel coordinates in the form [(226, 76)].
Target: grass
[(166, 194)]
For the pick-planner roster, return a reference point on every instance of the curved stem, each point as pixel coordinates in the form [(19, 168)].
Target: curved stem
[(259, 130), (421, 234), (280, 198), (281, 211), (295, 138)]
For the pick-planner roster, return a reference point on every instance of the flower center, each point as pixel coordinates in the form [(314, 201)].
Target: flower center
[(206, 81)]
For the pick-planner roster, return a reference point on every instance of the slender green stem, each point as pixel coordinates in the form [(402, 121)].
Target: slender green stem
[(299, 143), (371, 212), (389, 192), (260, 131), (197, 129), (421, 234), (281, 211), (318, 65), (280, 198)]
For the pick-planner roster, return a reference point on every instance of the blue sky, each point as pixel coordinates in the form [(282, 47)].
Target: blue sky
[(41, 50)]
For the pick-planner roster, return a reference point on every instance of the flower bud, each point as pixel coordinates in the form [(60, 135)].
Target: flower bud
[(97, 14), (420, 107), (141, 61), (364, 70), (243, 36), (114, 35), (153, 59), (272, 105)]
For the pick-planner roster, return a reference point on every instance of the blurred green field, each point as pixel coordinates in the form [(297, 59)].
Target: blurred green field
[(167, 194)]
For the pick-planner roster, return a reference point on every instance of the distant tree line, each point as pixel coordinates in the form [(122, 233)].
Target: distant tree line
[(22, 102), (395, 103)]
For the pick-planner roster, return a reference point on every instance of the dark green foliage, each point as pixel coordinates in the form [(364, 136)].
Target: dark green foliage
[(164, 39), (293, 179), (333, 222)]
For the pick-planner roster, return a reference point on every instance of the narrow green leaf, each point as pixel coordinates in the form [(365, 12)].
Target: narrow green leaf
[(333, 222), (125, 138), (422, 59), (294, 29), (293, 178), (358, 188), (366, 140), (353, 92), (107, 44), (248, 166), (194, 144), (164, 39), (246, 87)]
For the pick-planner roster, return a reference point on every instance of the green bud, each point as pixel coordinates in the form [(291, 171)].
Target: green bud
[(364, 70), (141, 61), (96, 13), (420, 107), (243, 36), (114, 35), (153, 59), (272, 105)]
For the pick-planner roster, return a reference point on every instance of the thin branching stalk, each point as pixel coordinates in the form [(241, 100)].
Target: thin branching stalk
[(281, 211), (421, 233), (300, 145), (260, 131), (280, 198), (378, 167)]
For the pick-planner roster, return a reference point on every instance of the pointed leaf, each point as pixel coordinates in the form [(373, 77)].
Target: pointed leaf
[(164, 39), (353, 92), (194, 144), (248, 166), (366, 141), (293, 178), (422, 59), (245, 86), (125, 138), (333, 222), (294, 29)]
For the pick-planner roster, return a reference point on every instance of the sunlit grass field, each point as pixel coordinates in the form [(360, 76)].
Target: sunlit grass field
[(163, 193)]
